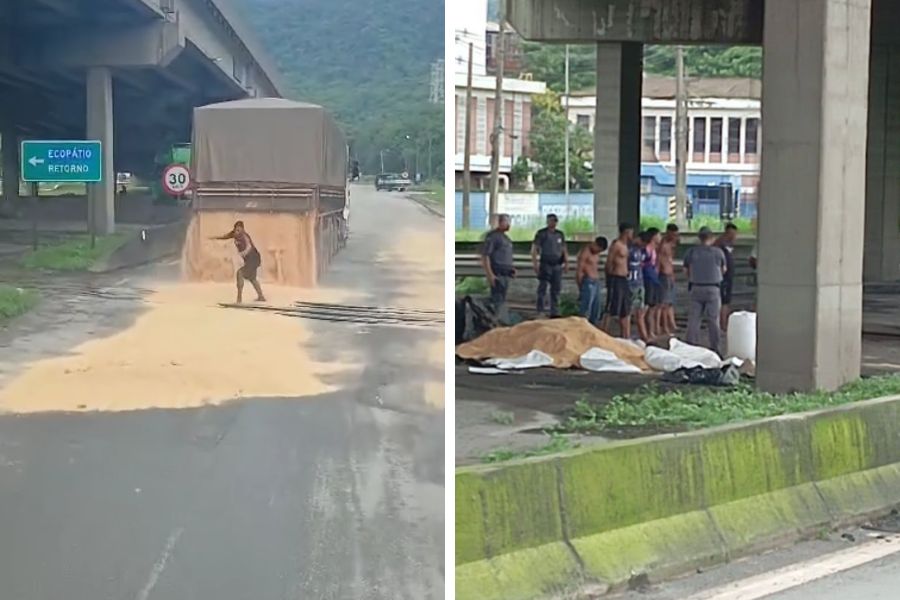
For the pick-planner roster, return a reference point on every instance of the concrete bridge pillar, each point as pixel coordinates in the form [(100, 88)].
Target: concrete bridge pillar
[(10, 161), (882, 241), (617, 137), (811, 222), (102, 196)]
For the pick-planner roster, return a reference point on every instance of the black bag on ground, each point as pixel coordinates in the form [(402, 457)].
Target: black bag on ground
[(724, 376)]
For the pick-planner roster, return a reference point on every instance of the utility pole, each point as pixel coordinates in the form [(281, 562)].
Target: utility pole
[(467, 150), (567, 169), (681, 140), (496, 138), (382, 161)]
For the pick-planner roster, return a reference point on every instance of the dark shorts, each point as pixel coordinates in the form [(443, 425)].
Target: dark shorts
[(727, 287), (251, 264), (667, 286), (618, 297), (652, 293)]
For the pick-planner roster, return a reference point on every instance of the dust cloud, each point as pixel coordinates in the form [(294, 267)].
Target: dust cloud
[(183, 351), (286, 243)]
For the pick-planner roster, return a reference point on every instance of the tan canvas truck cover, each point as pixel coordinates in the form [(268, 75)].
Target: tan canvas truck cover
[(281, 168), (268, 140)]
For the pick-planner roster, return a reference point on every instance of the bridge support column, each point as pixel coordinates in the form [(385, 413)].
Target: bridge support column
[(882, 241), (617, 137), (10, 142), (102, 196), (814, 109)]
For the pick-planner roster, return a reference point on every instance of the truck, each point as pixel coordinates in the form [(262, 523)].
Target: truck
[(279, 166)]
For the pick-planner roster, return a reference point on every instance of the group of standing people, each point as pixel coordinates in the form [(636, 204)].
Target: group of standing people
[(639, 276)]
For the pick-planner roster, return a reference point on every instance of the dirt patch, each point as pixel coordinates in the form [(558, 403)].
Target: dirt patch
[(183, 351), (286, 243)]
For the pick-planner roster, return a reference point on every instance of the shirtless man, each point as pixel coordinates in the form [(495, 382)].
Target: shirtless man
[(667, 278), (587, 276), (618, 292)]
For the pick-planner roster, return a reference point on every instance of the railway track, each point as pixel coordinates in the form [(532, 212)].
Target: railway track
[(360, 315)]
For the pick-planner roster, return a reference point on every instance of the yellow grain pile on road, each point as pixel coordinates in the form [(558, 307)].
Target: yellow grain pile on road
[(286, 243)]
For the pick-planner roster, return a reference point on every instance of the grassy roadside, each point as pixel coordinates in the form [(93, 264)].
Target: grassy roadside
[(74, 254), (434, 191), (650, 409), (15, 302)]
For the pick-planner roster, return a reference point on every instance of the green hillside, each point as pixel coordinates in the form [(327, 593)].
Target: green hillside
[(370, 63)]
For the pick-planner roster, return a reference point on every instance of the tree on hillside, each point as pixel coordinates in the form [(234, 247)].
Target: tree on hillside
[(548, 147), (547, 63), (353, 58)]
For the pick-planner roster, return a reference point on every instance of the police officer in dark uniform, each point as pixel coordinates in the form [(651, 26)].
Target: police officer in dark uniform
[(497, 261), (550, 259)]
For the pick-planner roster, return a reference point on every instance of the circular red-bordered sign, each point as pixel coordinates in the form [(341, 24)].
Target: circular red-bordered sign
[(176, 180)]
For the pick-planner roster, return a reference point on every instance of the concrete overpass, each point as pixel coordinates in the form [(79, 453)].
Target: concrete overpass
[(126, 72), (830, 195)]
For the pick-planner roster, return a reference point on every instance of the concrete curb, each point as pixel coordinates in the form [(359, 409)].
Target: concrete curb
[(426, 205), (669, 504), (145, 246)]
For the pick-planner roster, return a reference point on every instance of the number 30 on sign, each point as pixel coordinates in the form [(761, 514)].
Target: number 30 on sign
[(176, 180)]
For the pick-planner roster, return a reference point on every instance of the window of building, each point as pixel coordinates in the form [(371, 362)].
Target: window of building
[(734, 136), (752, 144), (665, 134), (583, 121), (699, 135), (715, 135), (650, 134)]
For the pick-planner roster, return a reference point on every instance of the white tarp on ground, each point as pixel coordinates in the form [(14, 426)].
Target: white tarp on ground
[(532, 360), (599, 360)]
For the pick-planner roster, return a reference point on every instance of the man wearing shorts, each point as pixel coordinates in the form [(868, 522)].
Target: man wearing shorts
[(637, 256), (252, 260), (667, 248), (652, 286), (618, 292)]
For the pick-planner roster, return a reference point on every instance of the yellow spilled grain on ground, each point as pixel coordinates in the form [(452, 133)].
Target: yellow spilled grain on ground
[(422, 252), (183, 351)]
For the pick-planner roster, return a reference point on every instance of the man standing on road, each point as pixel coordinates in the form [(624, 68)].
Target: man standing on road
[(252, 260), (497, 261), (667, 278), (618, 292), (705, 267), (587, 276), (726, 244), (550, 260)]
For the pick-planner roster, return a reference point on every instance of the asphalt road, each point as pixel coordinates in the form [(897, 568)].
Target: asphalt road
[(879, 580), (338, 496)]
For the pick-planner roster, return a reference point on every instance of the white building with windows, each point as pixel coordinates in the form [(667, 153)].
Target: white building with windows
[(723, 132), (516, 108)]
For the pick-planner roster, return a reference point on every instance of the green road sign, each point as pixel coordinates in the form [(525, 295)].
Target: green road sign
[(67, 160)]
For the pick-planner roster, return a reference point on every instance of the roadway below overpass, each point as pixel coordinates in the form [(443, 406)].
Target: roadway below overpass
[(125, 72)]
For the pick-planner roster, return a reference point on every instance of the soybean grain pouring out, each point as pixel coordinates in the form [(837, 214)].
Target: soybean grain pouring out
[(280, 169)]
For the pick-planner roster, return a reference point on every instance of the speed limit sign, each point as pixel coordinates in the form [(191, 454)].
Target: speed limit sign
[(176, 180)]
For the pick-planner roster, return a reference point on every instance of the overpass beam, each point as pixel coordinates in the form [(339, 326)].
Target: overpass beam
[(154, 44), (814, 107), (102, 196), (617, 137)]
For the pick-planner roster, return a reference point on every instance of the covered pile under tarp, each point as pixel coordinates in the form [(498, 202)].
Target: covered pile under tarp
[(268, 140), (565, 340)]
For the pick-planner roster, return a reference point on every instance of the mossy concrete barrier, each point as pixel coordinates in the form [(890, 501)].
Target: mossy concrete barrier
[(664, 505)]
